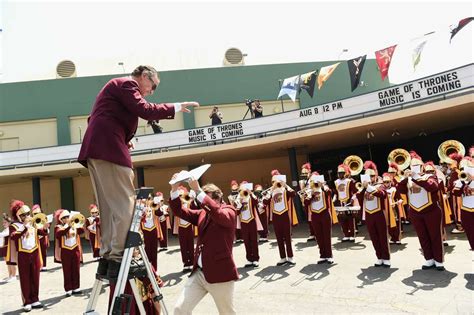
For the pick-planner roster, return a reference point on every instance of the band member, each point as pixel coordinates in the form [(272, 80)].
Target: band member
[(283, 215), (262, 214), (317, 199), (164, 219), (395, 206), (442, 197), (234, 192), (345, 196), (151, 230), (185, 230), (93, 231), (464, 188), (425, 213), (303, 184), (4, 239), (374, 203), (396, 175), (24, 249), (68, 246), (247, 210), (453, 175), (44, 239)]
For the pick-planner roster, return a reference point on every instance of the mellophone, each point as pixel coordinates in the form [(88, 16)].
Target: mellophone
[(347, 209)]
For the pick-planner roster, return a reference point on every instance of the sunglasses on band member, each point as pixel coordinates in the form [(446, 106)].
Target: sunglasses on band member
[(153, 87)]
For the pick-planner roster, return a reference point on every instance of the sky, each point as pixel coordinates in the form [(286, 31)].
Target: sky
[(98, 35)]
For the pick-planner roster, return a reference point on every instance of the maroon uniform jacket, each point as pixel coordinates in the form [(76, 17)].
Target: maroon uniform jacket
[(114, 120), (216, 230)]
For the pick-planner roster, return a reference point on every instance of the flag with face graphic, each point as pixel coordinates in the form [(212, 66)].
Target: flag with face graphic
[(384, 58), (307, 82), (356, 66), (290, 87), (457, 27), (325, 73)]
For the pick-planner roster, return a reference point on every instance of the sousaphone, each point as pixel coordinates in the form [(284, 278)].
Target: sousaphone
[(449, 147), (401, 157), (355, 164)]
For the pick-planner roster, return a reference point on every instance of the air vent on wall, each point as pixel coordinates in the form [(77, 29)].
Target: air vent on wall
[(234, 57), (66, 69)]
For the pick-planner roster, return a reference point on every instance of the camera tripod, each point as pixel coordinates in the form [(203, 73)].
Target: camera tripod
[(119, 299)]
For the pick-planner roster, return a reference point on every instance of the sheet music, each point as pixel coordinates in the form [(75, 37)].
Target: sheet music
[(195, 173)]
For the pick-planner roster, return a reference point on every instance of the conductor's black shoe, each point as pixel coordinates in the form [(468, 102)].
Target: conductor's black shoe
[(102, 267)]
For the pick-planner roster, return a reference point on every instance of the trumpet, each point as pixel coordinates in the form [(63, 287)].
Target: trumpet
[(358, 186), (77, 221), (7, 218), (39, 220)]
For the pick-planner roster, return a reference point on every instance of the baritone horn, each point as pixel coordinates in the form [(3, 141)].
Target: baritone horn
[(77, 220), (355, 164), (39, 220), (449, 147), (401, 157)]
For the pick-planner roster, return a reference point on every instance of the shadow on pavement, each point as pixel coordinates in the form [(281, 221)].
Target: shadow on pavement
[(428, 280), (313, 272), (301, 245), (174, 278), (48, 303), (397, 247), (271, 274), (373, 274), (341, 246), (470, 281)]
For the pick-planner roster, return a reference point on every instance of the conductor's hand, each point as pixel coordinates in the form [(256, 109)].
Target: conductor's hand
[(194, 185), (185, 105)]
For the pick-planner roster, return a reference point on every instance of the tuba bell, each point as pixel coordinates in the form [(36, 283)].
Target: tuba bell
[(77, 220), (449, 147), (401, 157), (39, 220), (355, 164)]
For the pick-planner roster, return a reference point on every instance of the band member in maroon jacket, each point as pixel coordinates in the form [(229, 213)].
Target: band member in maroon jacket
[(372, 197), (395, 204), (247, 209), (262, 214), (69, 242), (234, 192), (464, 189), (164, 218), (214, 269), (4, 240), (317, 199), (93, 230), (185, 229), (105, 152), (453, 176), (44, 239), (425, 213), (283, 215), (345, 196), (151, 230), (303, 184), (25, 251)]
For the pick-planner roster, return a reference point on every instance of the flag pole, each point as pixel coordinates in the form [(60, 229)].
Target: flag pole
[(280, 83)]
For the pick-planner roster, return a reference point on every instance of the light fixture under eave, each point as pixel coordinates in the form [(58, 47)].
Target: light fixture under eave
[(370, 134), (422, 133), (395, 133)]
